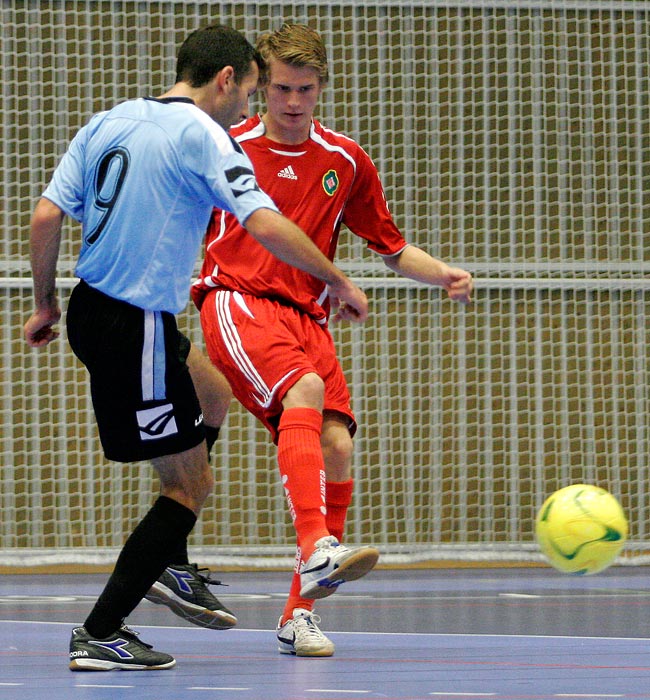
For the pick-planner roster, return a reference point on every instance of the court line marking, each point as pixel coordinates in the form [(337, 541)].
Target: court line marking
[(595, 592), (374, 634), (519, 595)]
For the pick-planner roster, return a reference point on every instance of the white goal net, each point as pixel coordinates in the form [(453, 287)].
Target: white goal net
[(513, 139)]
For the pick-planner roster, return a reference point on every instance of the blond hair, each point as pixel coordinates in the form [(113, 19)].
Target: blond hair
[(296, 45)]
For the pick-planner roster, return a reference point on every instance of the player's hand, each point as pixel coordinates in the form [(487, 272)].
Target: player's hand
[(39, 329), (345, 312), (348, 302), (459, 285)]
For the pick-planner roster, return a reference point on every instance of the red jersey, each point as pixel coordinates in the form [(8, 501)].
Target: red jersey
[(319, 184)]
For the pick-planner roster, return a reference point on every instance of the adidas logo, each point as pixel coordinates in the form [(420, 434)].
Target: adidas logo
[(288, 173)]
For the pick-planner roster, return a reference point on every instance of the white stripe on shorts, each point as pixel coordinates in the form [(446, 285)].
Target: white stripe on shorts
[(147, 375), (236, 350)]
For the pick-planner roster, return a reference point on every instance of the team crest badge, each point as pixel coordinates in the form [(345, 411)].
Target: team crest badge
[(330, 182)]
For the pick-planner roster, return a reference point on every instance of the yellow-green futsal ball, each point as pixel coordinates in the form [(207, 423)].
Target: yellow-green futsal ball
[(581, 529)]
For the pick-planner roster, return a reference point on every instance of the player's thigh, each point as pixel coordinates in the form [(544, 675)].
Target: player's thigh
[(211, 386), (319, 347), (256, 343), (142, 392)]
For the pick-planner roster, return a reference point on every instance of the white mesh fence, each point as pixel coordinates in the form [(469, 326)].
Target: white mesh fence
[(513, 138)]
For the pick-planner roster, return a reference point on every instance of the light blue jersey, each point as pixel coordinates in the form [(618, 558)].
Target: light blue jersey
[(142, 178)]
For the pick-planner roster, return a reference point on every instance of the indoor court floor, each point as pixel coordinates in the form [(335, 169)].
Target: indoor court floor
[(445, 634)]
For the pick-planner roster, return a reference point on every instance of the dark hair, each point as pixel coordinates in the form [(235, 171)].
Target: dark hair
[(208, 50)]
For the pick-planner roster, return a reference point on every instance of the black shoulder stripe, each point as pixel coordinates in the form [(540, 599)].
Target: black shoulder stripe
[(236, 146)]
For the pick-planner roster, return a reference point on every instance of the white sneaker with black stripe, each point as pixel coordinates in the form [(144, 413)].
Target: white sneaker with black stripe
[(301, 636), (332, 564)]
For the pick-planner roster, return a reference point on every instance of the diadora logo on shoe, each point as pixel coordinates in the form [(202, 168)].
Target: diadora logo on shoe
[(117, 646), (157, 422), (182, 579), (288, 173)]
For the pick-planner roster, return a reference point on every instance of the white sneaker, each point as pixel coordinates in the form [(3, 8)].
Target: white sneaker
[(301, 636), (332, 564)]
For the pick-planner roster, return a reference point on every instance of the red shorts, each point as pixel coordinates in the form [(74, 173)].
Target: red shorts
[(264, 347)]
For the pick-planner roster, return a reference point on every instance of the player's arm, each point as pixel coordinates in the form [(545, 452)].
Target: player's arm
[(290, 244), (367, 215), (45, 240), (416, 264)]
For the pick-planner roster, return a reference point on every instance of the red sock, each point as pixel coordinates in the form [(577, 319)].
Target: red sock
[(338, 499), (294, 600), (302, 469)]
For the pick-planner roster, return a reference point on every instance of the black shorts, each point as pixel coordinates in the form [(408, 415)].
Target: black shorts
[(142, 392)]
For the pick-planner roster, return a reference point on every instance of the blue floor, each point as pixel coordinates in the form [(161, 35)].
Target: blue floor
[(450, 634)]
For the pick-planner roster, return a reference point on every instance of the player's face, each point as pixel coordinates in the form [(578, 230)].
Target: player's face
[(291, 97), (233, 107)]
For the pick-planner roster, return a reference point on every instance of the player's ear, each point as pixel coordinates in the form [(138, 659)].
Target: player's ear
[(225, 78)]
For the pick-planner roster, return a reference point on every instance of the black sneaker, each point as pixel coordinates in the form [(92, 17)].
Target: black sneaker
[(121, 651), (183, 589)]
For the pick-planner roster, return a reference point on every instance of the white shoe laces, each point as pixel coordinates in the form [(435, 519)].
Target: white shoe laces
[(306, 627)]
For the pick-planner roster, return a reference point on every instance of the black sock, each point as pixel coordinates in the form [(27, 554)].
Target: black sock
[(180, 556), (211, 435), (143, 558)]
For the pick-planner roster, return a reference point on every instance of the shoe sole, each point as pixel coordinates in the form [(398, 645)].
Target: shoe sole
[(318, 653), (358, 564), (197, 615), (99, 665)]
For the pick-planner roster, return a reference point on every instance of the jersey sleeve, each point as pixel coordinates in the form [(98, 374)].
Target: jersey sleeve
[(366, 213), (66, 188), (226, 173)]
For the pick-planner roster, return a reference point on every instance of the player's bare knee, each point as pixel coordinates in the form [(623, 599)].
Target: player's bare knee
[(197, 483), (186, 477), (309, 390)]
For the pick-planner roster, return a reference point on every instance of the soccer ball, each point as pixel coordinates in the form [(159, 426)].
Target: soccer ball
[(581, 529)]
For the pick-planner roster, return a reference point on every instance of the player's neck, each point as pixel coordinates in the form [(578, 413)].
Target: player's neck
[(290, 136), (181, 90)]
